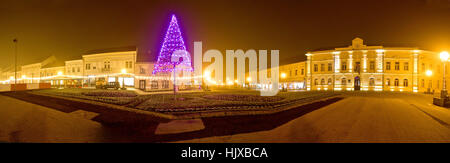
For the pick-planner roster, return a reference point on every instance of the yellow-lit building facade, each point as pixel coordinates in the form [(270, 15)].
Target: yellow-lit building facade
[(374, 68), (293, 76)]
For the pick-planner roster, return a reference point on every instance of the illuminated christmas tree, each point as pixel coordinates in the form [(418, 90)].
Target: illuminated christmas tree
[(173, 41)]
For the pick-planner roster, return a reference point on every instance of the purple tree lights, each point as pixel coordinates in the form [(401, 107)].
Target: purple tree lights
[(173, 41)]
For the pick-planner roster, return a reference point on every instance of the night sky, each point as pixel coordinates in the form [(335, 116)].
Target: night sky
[(68, 29)]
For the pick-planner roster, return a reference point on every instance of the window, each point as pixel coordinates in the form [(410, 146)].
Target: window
[(388, 82), (128, 64), (295, 72), (165, 84), (330, 68), (303, 71), (406, 66), (78, 69), (405, 82), (73, 69), (357, 66), (107, 65), (154, 84), (316, 68), (141, 70), (397, 65), (372, 82), (422, 83), (344, 66), (322, 82), (290, 73), (396, 82), (344, 81), (88, 66), (388, 65), (322, 67), (329, 81), (372, 65), (423, 67), (430, 84), (437, 84), (93, 67), (315, 82)]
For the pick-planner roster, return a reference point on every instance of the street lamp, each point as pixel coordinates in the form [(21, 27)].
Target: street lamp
[(444, 57), (429, 73), (124, 71), (15, 64), (283, 76)]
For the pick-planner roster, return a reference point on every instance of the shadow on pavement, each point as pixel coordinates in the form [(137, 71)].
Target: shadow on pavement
[(144, 132), (221, 126)]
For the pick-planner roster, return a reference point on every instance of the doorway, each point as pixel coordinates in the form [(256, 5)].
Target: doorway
[(357, 84), (142, 84)]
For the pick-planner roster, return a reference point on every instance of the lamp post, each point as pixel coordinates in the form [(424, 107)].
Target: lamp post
[(429, 73), (444, 57), (15, 64), (124, 71), (249, 79), (283, 76)]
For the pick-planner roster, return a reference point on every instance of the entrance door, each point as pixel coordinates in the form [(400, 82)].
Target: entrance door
[(142, 84), (357, 84)]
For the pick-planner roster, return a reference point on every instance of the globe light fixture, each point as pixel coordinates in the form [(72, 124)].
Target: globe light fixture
[(124, 71), (283, 75), (444, 56), (429, 73)]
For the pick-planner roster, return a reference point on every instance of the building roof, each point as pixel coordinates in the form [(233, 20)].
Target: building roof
[(55, 63), (109, 50)]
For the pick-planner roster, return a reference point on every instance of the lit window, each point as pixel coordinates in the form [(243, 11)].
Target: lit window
[(372, 65)]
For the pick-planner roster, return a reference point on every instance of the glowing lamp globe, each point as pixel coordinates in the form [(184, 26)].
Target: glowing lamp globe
[(429, 73), (444, 56)]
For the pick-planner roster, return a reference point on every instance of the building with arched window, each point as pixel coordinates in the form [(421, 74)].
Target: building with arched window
[(366, 68)]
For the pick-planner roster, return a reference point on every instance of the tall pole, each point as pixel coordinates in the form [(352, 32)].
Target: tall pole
[(15, 64), (444, 87)]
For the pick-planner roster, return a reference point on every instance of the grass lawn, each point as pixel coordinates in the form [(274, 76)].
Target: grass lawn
[(189, 102)]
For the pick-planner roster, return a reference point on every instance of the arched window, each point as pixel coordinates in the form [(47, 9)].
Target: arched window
[(396, 82), (372, 82), (315, 82), (344, 81), (322, 82), (329, 81), (388, 82), (405, 82)]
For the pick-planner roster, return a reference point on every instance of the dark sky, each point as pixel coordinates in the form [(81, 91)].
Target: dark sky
[(67, 29)]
